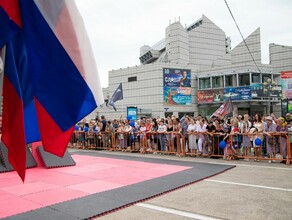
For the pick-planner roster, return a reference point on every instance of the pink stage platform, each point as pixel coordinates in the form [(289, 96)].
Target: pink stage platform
[(44, 187)]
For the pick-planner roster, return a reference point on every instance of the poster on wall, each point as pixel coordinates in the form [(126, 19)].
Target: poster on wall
[(177, 87), (132, 113), (286, 85)]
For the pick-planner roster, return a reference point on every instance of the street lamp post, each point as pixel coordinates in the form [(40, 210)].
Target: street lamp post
[(268, 88)]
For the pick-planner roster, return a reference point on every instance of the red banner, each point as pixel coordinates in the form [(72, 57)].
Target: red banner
[(208, 96), (286, 75)]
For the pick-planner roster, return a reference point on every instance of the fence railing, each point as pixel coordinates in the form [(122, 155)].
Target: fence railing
[(204, 144)]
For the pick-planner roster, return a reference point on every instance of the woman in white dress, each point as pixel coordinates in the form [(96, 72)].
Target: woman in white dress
[(201, 129), (259, 127), (192, 137)]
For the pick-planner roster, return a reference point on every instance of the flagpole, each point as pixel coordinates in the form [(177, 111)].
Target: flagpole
[(122, 107)]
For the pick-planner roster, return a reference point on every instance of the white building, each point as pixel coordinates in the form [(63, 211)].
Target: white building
[(203, 49)]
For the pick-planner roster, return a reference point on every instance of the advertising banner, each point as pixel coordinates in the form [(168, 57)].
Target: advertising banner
[(177, 87), (286, 85), (132, 111), (260, 90), (209, 96), (237, 93)]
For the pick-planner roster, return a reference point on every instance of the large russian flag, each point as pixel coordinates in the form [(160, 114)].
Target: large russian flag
[(50, 76)]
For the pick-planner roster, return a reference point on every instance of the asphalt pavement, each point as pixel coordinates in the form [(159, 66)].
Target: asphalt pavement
[(251, 190)]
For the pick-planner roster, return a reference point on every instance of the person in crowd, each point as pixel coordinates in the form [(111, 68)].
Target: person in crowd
[(103, 121), (282, 129), (191, 131), (218, 137), (226, 126), (288, 118), (142, 136), (274, 118), (90, 135), (121, 136), (208, 143), (238, 137), (245, 137), (133, 138), (259, 127), (109, 132), (269, 130), (246, 140), (161, 134), (169, 136), (184, 131), (232, 147), (154, 138), (127, 130), (201, 130), (148, 126), (177, 135), (115, 124)]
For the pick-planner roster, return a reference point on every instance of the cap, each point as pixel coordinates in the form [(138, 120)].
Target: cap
[(269, 118), (239, 116)]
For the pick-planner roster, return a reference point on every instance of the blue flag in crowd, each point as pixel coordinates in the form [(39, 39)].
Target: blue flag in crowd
[(118, 95)]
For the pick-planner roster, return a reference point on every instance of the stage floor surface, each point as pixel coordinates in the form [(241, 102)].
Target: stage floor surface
[(98, 184)]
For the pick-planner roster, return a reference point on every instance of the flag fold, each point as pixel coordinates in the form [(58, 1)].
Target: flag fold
[(49, 73), (118, 95), (224, 109)]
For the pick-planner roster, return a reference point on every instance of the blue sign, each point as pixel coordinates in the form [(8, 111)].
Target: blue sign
[(132, 113), (237, 93)]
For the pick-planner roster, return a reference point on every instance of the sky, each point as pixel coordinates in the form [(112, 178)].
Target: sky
[(117, 29)]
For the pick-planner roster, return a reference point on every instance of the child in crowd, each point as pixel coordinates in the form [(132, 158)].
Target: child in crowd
[(246, 140), (143, 143), (121, 136)]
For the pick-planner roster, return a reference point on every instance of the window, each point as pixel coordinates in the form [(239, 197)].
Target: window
[(256, 77), (216, 81), (132, 79), (204, 83), (244, 79), (266, 77), (229, 81)]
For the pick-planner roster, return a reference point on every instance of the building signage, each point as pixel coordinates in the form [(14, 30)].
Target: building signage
[(132, 112), (237, 93), (260, 90), (177, 87), (209, 96)]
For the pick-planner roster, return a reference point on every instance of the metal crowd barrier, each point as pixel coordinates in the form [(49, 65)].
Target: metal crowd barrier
[(174, 143)]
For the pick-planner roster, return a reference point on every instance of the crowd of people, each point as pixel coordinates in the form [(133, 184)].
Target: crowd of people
[(245, 136)]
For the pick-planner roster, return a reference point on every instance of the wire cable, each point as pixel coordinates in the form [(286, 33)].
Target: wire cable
[(242, 36)]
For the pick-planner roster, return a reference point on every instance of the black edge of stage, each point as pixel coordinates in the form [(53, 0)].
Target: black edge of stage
[(105, 202), (5, 166), (52, 161)]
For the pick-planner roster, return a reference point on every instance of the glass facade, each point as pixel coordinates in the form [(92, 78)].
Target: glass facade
[(244, 79), (217, 81), (205, 83), (229, 80)]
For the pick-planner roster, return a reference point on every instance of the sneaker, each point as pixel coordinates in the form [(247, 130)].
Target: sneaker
[(270, 161)]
